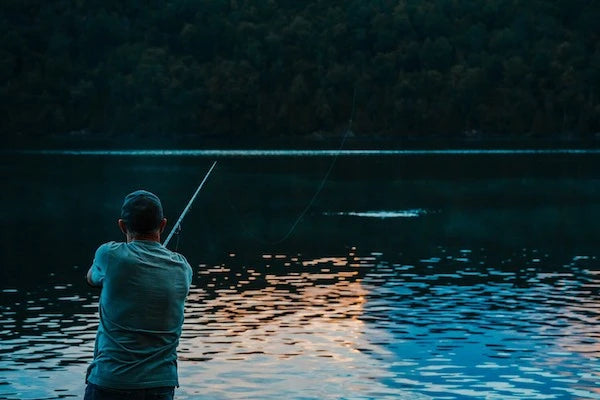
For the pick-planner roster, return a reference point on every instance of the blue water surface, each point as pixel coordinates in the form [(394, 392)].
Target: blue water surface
[(418, 276)]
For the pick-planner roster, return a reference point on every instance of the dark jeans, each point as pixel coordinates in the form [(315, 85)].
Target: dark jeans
[(95, 392)]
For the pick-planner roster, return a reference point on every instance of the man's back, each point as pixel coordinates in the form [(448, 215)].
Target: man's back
[(144, 286)]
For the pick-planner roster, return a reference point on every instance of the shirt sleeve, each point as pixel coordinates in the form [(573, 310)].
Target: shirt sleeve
[(99, 266), (190, 273), (188, 270)]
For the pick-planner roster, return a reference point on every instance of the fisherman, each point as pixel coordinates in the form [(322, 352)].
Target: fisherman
[(144, 287)]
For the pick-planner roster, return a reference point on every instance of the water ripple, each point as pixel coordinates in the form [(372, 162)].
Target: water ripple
[(451, 324)]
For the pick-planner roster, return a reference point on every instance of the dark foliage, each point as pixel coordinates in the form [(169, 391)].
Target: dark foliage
[(278, 67)]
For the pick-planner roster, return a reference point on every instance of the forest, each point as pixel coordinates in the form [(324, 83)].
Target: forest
[(280, 68)]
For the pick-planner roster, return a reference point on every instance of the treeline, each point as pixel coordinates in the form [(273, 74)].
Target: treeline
[(266, 68)]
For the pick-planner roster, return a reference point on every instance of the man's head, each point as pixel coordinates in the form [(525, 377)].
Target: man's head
[(142, 214)]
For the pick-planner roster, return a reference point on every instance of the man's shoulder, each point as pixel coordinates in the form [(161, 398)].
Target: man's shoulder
[(178, 257), (109, 246), (181, 260)]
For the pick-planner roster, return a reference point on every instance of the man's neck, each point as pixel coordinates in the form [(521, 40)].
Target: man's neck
[(149, 237)]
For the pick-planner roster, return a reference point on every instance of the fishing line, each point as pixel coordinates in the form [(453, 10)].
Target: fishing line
[(178, 233), (317, 192), (177, 227)]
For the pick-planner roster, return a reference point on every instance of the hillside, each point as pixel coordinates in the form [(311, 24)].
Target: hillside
[(260, 69)]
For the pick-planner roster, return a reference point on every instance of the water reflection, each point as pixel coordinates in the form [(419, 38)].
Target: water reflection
[(450, 324), (474, 275), (297, 318), (508, 328)]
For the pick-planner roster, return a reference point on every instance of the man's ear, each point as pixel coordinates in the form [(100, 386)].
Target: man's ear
[(122, 226), (163, 223)]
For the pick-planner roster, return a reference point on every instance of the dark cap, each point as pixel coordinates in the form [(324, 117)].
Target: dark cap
[(142, 211)]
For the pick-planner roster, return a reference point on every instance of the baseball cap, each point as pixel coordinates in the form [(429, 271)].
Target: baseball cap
[(142, 211)]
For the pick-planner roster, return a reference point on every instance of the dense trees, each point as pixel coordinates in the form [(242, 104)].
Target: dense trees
[(279, 67)]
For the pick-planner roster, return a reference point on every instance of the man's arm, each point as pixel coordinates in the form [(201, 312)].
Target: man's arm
[(88, 278), (95, 275)]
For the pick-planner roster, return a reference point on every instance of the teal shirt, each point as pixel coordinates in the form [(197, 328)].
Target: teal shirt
[(144, 287)]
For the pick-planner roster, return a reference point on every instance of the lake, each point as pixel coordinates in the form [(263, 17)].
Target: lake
[(415, 274)]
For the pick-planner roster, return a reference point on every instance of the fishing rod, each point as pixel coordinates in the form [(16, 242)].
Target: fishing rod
[(177, 226)]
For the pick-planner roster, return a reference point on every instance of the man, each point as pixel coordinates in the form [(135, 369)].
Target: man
[(144, 286)]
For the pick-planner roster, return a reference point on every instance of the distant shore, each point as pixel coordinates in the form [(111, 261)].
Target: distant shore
[(326, 141)]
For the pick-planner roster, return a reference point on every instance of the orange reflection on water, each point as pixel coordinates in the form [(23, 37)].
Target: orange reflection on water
[(314, 319), (336, 261), (305, 321)]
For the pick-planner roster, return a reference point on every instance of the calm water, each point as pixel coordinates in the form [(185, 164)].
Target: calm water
[(425, 275)]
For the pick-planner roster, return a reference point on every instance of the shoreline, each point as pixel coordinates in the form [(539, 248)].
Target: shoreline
[(325, 143), (295, 153)]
